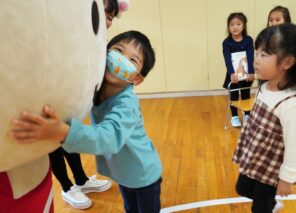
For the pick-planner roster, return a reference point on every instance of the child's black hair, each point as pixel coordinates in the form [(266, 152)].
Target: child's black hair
[(281, 41), (241, 17), (284, 11), (144, 44), (112, 7)]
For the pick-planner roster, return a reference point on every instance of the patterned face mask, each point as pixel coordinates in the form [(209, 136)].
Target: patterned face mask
[(119, 65)]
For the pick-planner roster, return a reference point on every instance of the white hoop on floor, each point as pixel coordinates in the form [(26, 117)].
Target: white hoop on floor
[(208, 203)]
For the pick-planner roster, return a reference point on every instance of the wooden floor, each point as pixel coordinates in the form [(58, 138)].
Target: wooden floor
[(195, 151)]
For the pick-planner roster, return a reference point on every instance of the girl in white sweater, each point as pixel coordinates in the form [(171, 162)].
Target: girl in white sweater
[(266, 150)]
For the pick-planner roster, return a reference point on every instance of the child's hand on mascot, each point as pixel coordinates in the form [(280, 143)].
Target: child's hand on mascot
[(31, 127)]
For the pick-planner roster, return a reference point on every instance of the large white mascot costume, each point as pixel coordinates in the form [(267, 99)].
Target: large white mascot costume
[(52, 52)]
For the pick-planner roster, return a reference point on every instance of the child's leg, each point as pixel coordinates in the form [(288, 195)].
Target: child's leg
[(264, 198), (58, 167), (245, 94), (245, 186), (83, 183), (72, 196), (263, 195), (142, 200), (75, 164), (234, 97), (129, 197), (149, 198)]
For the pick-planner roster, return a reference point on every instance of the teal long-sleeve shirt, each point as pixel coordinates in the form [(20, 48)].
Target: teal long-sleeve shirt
[(118, 139)]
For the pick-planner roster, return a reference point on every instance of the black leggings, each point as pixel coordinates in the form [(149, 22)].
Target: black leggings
[(234, 96), (263, 195), (58, 166)]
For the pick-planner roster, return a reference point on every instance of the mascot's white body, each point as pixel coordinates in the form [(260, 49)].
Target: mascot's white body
[(52, 52)]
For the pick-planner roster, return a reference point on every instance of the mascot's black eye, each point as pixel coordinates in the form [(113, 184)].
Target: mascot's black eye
[(95, 17)]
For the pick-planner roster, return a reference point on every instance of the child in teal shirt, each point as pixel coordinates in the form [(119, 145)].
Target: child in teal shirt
[(117, 136)]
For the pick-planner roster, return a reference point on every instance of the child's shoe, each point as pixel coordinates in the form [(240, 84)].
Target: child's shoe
[(277, 206), (235, 122), (76, 198), (246, 118), (94, 185)]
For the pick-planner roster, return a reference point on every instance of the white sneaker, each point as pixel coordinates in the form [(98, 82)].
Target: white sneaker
[(246, 118), (277, 206), (76, 199), (94, 185), (235, 122)]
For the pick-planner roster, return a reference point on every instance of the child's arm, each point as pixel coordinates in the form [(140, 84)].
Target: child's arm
[(32, 127), (287, 173), (106, 137), (251, 77), (250, 57), (234, 78), (227, 57), (228, 62), (284, 188)]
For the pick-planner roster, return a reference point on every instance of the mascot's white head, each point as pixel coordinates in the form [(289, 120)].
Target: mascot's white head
[(52, 52)]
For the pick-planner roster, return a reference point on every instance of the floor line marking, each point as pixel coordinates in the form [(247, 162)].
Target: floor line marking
[(216, 202)]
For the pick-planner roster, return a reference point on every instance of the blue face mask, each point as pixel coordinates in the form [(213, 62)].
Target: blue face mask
[(119, 65)]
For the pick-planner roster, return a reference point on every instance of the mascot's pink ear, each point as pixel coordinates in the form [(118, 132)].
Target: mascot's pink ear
[(123, 6)]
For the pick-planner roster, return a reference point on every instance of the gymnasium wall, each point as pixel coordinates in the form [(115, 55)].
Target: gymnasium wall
[(187, 37)]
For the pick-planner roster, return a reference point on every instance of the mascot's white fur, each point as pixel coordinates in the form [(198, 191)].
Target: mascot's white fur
[(52, 52)]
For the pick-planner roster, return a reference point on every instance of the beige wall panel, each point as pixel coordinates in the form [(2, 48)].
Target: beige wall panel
[(185, 47), (113, 30), (263, 7), (144, 16), (218, 12)]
